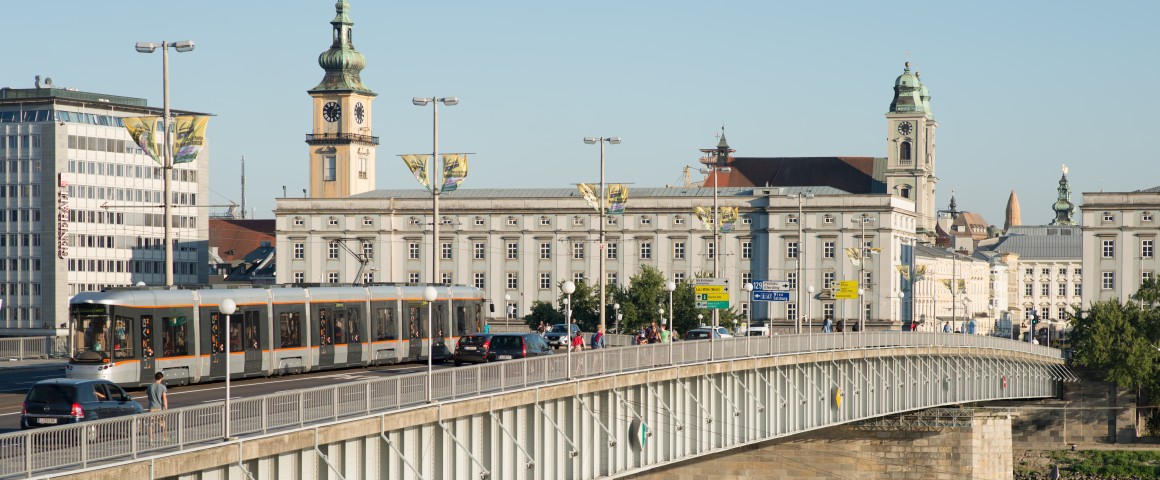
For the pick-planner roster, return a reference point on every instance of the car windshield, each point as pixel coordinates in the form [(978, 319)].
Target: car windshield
[(699, 334), (51, 394), (758, 333), (560, 329)]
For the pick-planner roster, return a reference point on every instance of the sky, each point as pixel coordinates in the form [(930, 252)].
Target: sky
[(1018, 88)]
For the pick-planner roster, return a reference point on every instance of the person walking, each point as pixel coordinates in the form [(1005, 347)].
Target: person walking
[(597, 339), (158, 395), (666, 335)]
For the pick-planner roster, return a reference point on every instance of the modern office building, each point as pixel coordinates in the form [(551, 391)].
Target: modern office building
[(82, 204), (1119, 242)]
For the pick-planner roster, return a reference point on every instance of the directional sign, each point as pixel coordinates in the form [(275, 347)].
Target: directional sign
[(770, 285), (847, 290), (711, 293), (770, 296)]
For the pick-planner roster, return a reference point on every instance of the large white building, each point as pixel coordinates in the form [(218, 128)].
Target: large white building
[(81, 205), (1119, 242)]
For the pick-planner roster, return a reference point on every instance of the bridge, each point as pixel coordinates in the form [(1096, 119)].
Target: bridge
[(604, 413)]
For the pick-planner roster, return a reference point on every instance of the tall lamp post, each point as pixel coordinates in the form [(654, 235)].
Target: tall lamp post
[(227, 308), (429, 295), (801, 252), (167, 150), (670, 286), (616, 326), (568, 287), (433, 177), (715, 161), (602, 253), (809, 313), (862, 220)]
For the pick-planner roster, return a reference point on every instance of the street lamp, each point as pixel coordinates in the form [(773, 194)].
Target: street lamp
[(715, 161), (507, 307), (670, 286), (800, 256), (809, 314), (429, 295), (602, 253), (227, 308), (568, 287), (862, 220), (433, 176), (167, 151), (616, 308), (748, 287)]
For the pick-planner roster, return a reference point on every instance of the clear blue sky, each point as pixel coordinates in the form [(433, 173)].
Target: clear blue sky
[(1018, 88)]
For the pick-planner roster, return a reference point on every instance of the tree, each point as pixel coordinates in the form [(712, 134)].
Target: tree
[(585, 306), (543, 312)]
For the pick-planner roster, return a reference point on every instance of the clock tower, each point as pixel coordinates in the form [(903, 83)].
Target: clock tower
[(342, 149), (910, 150)]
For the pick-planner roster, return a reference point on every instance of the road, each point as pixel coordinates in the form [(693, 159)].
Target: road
[(15, 382)]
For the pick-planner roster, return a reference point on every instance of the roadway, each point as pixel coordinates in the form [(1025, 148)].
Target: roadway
[(16, 380)]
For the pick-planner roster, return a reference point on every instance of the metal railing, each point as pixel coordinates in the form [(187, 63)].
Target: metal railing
[(21, 348), (27, 453)]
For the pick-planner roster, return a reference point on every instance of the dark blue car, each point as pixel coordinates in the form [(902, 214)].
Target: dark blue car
[(62, 401)]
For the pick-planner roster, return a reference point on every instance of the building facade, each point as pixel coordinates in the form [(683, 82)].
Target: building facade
[(83, 204), (1119, 242)]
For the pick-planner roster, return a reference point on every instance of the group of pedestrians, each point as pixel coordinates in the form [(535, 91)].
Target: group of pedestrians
[(654, 334)]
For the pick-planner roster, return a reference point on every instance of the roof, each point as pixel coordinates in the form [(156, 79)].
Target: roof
[(1150, 190), (235, 239), (858, 175), (1042, 242)]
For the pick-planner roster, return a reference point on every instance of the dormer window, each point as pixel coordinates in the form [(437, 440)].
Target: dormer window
[(1109, 217), (511, 221), (904, 191), (1146, 217), (479, 221)]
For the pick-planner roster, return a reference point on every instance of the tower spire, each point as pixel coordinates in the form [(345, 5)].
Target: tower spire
[(1064, 209), (342, 62)]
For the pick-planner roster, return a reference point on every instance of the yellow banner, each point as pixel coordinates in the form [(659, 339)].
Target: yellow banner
[(617, 197), (189, 139), (728, 218), (454, 171), (705, 215), (589, 195), (855, 259), (144, 131), (418, 166)]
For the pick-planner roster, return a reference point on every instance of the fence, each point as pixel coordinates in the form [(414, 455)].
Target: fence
[(33, 347), (23, 454)]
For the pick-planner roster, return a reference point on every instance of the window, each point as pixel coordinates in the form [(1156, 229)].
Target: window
[(368, 277), (679, 277), (612, 278), (545, 281), (610, 220), (299, 250), (1109, 217), (446, 251), (513, 281), (299, 277), (1146, 248), (827, 279), (827, 311), (746, 278), (511, 221), (611, 248), (904, 152), (1145, 276), (712, 249), (678, 220), (413, 277), (298, 221), (828, 249), (413, 250), (645, 250), (791, 249), (791, 277), (1079, 272), (446, 278), (1078, 289), (678, 250), (479, 248), (577, 277), (544, 221), (479, 221), (578, 221), (1045, 289), (867, 279), (513, 250), (332, 250), (1029, 271), (367, 221), (1109, 248), (828, 219), (1146, 217), (791, 220), (1109, 280), (747, 220), (1028, 289), (869, 308), (1045, 313), (330, 168), (791, 311), (577, 250), (645, 220), (368, 250), (1046, 271), (1063, 289), (332, 277), (746, 249), (477, 279), (545, 250), (333, 221)]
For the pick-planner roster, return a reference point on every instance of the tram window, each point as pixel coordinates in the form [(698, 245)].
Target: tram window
[(340, 326), (288, 327), (324, 329), (414, 321), (146, 336), (122, 337), (235, 333), (352, 325), (385, 327), (217, 323), (253, 332), (175, 334), (96, 333), (441, 320), (460, 320)]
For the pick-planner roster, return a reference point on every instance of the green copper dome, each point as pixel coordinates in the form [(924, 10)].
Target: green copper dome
[(909, 93), (1064, 209), (342, 62)]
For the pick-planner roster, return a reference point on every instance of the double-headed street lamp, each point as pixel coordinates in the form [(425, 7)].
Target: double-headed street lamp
[(433, 177), (801, 255), (601, 253), (167, 150), (429, 296), (863, 254)]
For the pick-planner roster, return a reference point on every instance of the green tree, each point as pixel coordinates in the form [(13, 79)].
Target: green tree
[(1113, 338), (585, 306), (543, 312)]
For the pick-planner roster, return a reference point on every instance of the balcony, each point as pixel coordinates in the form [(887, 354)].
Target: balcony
[(340, 139)]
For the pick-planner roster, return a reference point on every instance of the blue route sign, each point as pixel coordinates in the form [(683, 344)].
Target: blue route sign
[(770, 296)]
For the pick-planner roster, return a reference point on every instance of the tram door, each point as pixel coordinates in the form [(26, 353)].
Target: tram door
[(253, 339), (215, 338), (149, 346), (414, 327), (354, 335), (324, 335)]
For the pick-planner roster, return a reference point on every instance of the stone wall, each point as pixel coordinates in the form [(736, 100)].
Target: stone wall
[(1088, 412), (982, 451)]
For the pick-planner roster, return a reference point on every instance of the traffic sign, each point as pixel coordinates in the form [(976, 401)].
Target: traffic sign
[(770, 296), (847, 290), (711, 293), (770, 285)]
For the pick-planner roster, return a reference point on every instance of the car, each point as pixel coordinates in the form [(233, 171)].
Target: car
[(472, 348), (558, 336), (508, 346), (62, 401), (754, 331), (702, 333)]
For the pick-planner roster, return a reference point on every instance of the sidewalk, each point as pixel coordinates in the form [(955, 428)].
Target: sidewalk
[(9, 365)]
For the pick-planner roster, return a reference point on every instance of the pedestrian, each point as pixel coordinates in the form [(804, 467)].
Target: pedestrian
[(577, 342), (947, 327), (597, 339), (158, 395), (486, 328), (827, 325), (666, 335)]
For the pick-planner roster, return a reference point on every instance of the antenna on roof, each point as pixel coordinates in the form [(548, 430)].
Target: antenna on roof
[(243, 187)]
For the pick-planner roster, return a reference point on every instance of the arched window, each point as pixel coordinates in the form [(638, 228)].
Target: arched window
[(904, 191), (904, 152)]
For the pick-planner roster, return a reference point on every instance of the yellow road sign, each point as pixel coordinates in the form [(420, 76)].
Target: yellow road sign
[(713, 297), (847, 290), (699, 289)]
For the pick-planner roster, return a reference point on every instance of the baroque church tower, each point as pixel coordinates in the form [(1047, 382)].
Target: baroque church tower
[(1064, 209), (342, 150), (911, 145)]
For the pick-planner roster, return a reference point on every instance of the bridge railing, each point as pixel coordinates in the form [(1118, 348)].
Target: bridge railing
[(23, 454), (21, 348)]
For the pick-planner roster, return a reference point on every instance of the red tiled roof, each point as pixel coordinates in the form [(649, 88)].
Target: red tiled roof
[(851, 174), (236, 238)]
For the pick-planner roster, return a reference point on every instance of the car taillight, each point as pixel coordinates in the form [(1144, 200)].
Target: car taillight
[(486, 345), (77, 411), (24, 408), (524, 348)]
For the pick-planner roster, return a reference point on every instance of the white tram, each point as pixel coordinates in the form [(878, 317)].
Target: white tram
[(126, 335)]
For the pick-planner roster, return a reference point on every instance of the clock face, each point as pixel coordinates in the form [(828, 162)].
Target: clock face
[(358, 112), (331, 111), (905, 128)]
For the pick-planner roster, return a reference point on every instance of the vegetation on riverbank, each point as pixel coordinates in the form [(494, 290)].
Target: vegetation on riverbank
[(1089, 464)]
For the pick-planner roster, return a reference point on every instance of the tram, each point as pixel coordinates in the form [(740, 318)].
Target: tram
[(126, 335)]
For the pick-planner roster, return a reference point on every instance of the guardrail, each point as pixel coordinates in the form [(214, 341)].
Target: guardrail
[(27, 453), (21, 348)]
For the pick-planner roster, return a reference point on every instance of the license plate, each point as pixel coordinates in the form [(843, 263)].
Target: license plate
[(469, 348), (46, 421), (504, 357)]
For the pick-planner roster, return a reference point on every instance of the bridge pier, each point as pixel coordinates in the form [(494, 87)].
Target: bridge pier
[(968, 445)]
